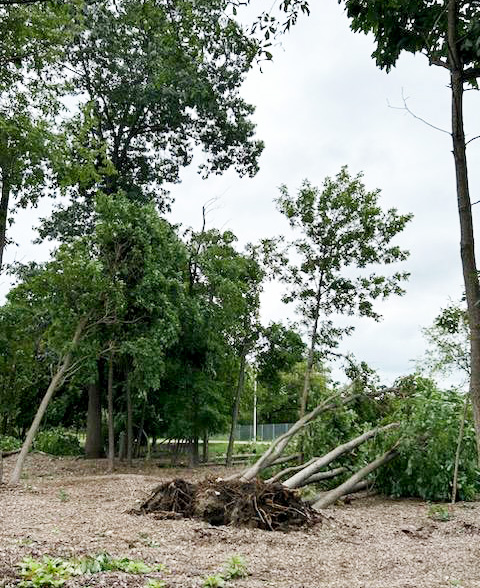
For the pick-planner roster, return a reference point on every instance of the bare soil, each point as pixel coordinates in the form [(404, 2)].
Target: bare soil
[(72, 508)]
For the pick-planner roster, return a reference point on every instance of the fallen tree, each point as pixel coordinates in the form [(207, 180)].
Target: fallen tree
[(311, 472)]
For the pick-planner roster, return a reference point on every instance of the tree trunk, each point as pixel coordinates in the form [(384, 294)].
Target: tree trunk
[(467, 246), (205, 447), (54, 384), (111, 430), (4, 214), (236, 406), (321, 476), (459, 449), (129, 425), (345, 488), (300, 478), (311, 354), (94, 441)]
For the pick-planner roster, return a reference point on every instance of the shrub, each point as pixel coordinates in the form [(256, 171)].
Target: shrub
[(58, 441), (8, 443)]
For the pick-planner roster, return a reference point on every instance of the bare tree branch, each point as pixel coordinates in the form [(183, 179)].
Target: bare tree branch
[(407, 109)]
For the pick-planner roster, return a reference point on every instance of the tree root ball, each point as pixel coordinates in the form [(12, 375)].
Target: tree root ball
[(252, 504)]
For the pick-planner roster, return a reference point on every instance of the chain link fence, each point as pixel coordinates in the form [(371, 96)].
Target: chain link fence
[(264, 432)]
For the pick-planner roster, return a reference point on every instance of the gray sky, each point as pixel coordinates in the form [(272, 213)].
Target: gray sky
[(322, 104)]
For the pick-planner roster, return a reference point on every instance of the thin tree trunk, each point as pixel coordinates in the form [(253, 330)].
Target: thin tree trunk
[(459, 449), (129, 425), (94, 441), (321, 476), (311, 354), (236, 406), (111, 430), (3, 214), (345, 488), (54, 384), (205, 447), (467, 245), (299, 478), (138, 444)]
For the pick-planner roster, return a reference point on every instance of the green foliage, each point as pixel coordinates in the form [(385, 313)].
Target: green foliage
[(438, 512), (344, 233), (236, 567), (430, 421), (54, 572), (9, 443), (213, 581), (45, 572), (155, 584), (449, 342), (416, 26), (58, 441), (63, 495), (158, 80)]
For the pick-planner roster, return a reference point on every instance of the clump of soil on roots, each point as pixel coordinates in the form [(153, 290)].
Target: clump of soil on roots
[(252, 504)]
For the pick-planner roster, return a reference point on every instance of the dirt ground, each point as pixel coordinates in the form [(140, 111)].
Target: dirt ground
[(72, 508)]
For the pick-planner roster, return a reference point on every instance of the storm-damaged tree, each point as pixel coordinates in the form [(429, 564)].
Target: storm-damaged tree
[(447, 32), (345, 237)]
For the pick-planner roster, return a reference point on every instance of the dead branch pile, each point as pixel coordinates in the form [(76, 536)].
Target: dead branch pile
[(251, 504)]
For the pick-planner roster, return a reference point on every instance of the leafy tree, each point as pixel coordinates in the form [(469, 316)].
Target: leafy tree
[(447, 33), (344, 231), (160, 79)]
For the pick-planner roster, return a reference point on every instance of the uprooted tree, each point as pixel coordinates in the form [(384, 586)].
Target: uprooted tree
[(244, 499)]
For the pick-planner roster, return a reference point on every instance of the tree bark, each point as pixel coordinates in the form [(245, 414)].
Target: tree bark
[(345, 488), (311, 353), (467, 244), (299, 478), (205, 447), (94, 441), (129, 425), (459, 449), (111, 430), (4, 214), (54, 384), (236, 406), (321, 476)]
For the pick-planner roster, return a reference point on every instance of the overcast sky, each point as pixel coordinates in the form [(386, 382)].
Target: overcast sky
[(322, 104)]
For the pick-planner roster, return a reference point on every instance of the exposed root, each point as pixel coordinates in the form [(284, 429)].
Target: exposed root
[(251, 504)]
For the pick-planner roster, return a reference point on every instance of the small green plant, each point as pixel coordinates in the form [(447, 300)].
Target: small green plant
[(63, 495), (236, 567), (155, 584), (214, 581), (438, 512), (47, 572)]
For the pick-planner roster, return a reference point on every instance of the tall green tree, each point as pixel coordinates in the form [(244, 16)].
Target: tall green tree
[(160, 79), (345, 235), (447, 32)]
